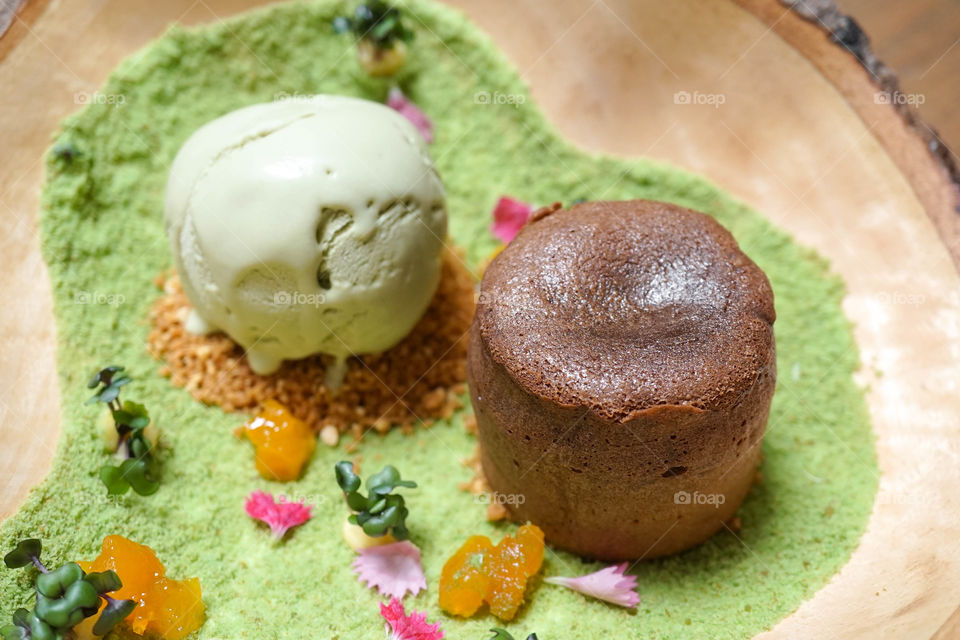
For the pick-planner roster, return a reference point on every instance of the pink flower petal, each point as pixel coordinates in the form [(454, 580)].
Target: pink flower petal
[(610, 584), (280, 515), (508, 217), (402, 105), (392, 568), (401, 626)]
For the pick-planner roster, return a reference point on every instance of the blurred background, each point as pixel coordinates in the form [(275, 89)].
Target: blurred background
[(920, 41)]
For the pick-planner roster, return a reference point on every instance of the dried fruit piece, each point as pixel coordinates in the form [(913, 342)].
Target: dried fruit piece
[(283, 442), (509, 565), (480, 572), (462, 581), (170, 609)]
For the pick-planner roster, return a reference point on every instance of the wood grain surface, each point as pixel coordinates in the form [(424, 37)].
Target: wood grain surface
[(799, 135), (921, 40)]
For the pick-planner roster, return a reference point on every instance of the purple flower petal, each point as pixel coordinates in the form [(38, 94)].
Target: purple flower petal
[(405, 107)]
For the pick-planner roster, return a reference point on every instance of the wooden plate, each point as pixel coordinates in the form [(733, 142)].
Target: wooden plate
[(790, 113)]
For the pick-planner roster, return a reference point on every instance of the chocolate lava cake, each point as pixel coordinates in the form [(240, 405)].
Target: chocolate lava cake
[(621, 365)]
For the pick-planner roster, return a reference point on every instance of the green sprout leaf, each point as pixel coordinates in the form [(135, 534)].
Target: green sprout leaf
[(133, 415), (386, 480), (138, 446), (15, 632), (64, 612), (346, 478), (104, 581), (104, 376), (112, 477), (20, 629), (65, 150), (21, 618), (55, 583), (503, 634), (113, 614), (136, 472), (341, 24), (26, 552), (40, 630), (356, 502), (110, 380)]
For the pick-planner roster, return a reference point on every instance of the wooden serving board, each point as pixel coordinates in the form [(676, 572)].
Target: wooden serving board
[(746, 92)]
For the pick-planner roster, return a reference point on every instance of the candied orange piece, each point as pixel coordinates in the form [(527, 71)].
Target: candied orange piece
[(283, 442), (508, 566), (480, 572), (462, 581), (171, 609), (531, 538)]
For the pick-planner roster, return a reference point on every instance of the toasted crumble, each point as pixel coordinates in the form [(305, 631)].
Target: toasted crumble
[(420, 380)]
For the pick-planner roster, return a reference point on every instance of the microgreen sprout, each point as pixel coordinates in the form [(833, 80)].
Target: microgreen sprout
[(382, 511), (377, 21), (139, 470), (65, 150), (381, 36), (503, 634), (65, 596)]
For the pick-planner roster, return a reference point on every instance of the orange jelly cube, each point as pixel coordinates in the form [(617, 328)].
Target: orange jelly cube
[(480, 572), (283, 442), (171, 609)]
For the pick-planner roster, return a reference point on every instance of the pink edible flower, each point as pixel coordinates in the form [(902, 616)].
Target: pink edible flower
[(610, 584), (405, 107), (508, 217), (392, 568), (280, 515), (401, 626)]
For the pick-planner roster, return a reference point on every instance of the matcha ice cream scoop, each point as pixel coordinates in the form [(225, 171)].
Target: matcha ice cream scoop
[(306, 226)]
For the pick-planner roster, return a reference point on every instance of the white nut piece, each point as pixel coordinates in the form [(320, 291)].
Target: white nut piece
[(356, 539), (307, 226), (330, 435)]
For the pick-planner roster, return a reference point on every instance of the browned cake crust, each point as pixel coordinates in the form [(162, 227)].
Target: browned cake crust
[(621, 359)]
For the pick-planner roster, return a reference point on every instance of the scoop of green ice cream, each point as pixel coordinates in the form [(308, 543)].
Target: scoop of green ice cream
[(310, 225)]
